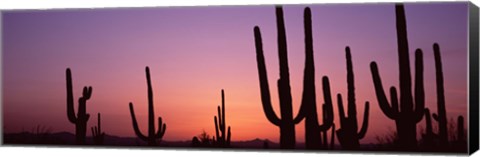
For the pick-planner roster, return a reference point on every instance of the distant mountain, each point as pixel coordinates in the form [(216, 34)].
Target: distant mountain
[(66, 138)]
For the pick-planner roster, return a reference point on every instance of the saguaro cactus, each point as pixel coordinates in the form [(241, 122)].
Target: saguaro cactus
[(460, 129), (347, 135), (411, 109), (285, 122), (429, 136), (308, 105), (221, 140), (82, 117), (152, 136), (441, 118), (308, 109), (97, 133)]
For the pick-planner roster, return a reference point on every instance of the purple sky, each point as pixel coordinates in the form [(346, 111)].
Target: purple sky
[(194, 52)]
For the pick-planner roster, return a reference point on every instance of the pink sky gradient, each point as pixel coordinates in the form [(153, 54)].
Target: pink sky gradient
[(194, 52)]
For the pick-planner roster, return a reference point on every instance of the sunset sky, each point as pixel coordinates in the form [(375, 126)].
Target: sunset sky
[(195, 52)]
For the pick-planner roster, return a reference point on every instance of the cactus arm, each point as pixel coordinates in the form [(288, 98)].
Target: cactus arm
[(82, 102), (435, 117), (262, 73), (419, 88), (162, 127), (382, 99), (428, 121), (228, 136), (439, 73), (326, 91), (220, 123), (70, 101), (327, 107), (216, 127), (341, 111), (135, 124), (301, 114), (87, 92), (324, 138), (94, 131), (442, 115), (364, 128), (394, 99), (99, 124)]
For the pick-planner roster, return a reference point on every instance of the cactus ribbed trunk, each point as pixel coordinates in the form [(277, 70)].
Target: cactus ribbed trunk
[(80, 120)]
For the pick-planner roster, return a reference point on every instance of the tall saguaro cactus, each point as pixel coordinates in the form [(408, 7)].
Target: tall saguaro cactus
[(347, 134), (97, 134), (411, 109), (285, 121), (152, 137), (221, 140), (441, 117), (80, 120), (308, 108)]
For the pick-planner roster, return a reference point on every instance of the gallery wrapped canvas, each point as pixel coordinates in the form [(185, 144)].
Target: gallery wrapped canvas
[(373, 77)]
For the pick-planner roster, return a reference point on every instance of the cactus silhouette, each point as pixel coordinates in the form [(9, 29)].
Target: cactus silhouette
[(80, 120), (195, 142), (308, 109), (429, 136), (411, 109), (460, 129), (441, 118), (152, 136), (221, 140), (97, 133), (285, 122), (459, 141), (347, 134)]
